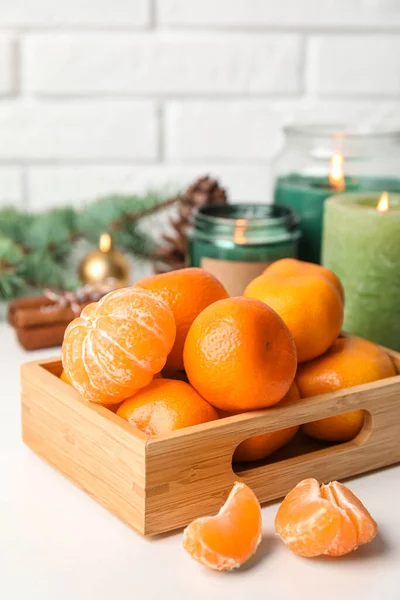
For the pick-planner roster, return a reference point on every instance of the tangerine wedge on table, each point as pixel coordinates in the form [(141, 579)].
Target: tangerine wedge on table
[(239, 355), (228, 539), (310, 305), (330, 520), (117, 344), (287, 267), (260, 446), (349, 362), (187, 292), (166, 405)]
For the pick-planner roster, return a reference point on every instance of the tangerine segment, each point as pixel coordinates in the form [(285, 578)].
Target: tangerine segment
[(187, 292), (228, 539), (239, 355), (364, 525), (117, 344), (329, 520), (166, 405)]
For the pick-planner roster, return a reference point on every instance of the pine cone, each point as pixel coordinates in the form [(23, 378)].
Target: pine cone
[(172, 254)]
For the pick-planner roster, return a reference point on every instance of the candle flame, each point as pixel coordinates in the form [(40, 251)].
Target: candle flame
[(383, 204), (239, 236), (336, 175)]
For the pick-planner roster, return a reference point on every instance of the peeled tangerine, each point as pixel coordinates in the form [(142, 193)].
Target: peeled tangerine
[(327, 519), (230, 538), (117, 344)]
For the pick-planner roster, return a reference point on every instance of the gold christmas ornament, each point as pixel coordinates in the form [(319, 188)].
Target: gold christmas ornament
[(104, 266)]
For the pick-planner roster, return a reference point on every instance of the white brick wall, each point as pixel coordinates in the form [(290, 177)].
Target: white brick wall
[(122, 95), (162, 63), (81, 130), (367, 64), (74, 13), (296, 14), (7, 65)]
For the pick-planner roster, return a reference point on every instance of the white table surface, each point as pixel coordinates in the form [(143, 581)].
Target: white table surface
[(56, 543)]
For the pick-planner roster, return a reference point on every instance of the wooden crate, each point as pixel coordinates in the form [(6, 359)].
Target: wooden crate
[(158, 484)]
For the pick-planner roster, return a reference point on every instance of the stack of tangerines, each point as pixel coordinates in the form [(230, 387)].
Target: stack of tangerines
[(174, 351)]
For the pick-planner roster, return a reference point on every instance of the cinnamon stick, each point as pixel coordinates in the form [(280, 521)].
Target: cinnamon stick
[(34, 338), (29, 302), (42, 315)]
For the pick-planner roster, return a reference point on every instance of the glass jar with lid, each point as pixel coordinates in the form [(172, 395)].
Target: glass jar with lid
[(318, 161), (236, 242)]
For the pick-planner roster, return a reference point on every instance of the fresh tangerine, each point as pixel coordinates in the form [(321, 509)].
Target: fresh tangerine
[(240, 355), (351, 361), (310, 306), (288, 267), (260, 446), (187, 292), (166, 405)]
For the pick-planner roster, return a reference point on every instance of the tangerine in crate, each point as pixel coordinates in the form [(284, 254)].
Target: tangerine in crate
[(118, 344), (260, 446), (309, 304), (239, 355), (166, 405), (289, 267), (187, 292), (349, 362)]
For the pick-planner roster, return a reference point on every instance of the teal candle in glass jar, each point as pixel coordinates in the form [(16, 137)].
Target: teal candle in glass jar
[(361, 244), (320, 160), (236, 242)]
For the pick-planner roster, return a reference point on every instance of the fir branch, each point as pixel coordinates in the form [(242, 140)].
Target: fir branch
[(120, 214), (52, 232), (11, 280), (14, 224), (40, 269), (35, 248)]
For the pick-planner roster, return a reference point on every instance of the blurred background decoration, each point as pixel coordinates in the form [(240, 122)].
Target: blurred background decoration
[(101, 102), (119, 97), (36, 249)]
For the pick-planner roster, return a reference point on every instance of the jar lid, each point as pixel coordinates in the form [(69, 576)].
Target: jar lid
[(245, 223)]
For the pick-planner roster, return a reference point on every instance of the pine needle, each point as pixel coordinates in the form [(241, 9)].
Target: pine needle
[(35, 248)]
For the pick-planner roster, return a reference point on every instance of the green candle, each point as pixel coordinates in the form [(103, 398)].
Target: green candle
[(236, 242), (306, 195), (361, 244)]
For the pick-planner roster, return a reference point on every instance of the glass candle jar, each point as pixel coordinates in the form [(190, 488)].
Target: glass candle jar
[(318, 161), (236, 242)]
